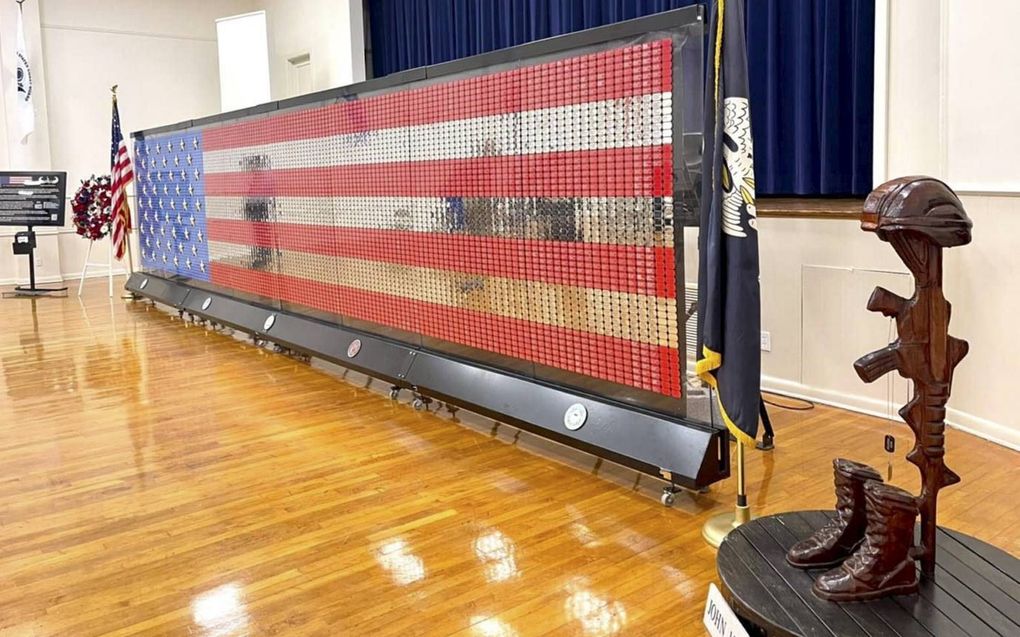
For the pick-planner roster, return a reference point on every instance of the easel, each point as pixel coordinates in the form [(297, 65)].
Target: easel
[(108, 265), (24, 243)]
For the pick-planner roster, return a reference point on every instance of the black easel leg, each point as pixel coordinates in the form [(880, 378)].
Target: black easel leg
[(768, 438), (31, 266)]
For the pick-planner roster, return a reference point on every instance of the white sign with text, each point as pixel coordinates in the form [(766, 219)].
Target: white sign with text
[(720, 620)]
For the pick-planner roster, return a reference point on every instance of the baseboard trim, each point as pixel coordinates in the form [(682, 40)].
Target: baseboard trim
[(984, 428), (980, 427), (67, 276), (40, 280), (850, 402), (75, 276)]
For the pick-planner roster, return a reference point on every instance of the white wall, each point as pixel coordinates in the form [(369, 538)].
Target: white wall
[(817, 274), (161, 54), (242, 43), (330, 31), (980, 119)]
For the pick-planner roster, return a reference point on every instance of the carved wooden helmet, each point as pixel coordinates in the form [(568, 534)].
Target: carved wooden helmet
[(919, 205)]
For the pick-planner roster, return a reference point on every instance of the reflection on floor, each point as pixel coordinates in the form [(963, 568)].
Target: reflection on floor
[(158, 478)]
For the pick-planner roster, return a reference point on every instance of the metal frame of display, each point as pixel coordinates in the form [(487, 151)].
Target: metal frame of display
[(681, 451)]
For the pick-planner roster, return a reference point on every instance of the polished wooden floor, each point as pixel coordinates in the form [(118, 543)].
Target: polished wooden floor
[(158, 478)]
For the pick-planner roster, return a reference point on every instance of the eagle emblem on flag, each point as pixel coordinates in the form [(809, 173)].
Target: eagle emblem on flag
[(739, 212)]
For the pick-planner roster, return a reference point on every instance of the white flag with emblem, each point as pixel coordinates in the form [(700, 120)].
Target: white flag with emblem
[(25, 113)]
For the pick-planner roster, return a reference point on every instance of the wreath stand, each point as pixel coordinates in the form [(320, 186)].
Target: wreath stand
[(108, 266)]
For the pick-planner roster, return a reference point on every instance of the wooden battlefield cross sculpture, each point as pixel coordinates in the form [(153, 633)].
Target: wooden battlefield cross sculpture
[(919, 216)]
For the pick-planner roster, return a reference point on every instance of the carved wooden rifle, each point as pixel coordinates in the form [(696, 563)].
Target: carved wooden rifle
[(919, 216)]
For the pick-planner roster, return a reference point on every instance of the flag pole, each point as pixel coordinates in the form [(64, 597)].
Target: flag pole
[(728, 243), (130, 225), (718, 526)]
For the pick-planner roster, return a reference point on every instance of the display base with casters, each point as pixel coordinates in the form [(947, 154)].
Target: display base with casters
[(683, 452), (24, 243), (975, 591)]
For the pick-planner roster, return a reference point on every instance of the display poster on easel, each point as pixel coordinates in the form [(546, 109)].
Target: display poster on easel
[(32, 199)]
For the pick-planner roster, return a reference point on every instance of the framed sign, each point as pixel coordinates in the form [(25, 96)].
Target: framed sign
[(29, 198)]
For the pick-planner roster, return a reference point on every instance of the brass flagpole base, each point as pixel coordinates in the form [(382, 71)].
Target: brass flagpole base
[(719, 526)]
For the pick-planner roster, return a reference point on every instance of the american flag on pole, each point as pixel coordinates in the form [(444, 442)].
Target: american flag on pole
[(524, 212), (121, 175)]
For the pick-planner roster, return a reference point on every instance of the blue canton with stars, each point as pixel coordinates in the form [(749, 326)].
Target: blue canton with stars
[(171, 204)]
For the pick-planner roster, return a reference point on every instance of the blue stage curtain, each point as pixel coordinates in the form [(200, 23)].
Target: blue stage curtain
[(811, 70)]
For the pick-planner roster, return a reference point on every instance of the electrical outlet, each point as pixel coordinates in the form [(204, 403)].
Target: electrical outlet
[(766, 341), (38, 260)]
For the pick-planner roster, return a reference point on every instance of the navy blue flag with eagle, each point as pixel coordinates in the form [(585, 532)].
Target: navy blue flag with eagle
[(729, 299)]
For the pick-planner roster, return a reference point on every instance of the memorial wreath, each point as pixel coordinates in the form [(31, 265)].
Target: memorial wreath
[(91, 206)]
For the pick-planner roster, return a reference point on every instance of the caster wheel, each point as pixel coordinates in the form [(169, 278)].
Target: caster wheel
[(667, 499), (394, 393), (418, 404)]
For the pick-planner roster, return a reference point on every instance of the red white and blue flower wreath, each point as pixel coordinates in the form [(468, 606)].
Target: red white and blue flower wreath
[(91, 207)]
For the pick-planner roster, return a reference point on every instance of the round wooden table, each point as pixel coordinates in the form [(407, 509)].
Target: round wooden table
[(976, 590)]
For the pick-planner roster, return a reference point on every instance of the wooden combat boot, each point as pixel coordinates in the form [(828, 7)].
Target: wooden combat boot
[(883, 565), (835, 541)]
